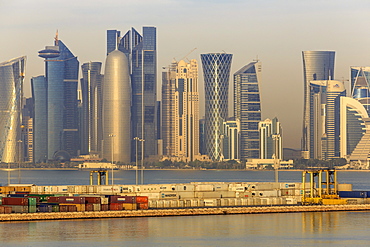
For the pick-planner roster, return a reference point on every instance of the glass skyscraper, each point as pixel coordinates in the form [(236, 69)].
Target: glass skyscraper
[(12, 74), (271, 145), (142, 53), (216, 70), (317, 65), (360, 85), (91, 121), (247, 108), (61, 68)]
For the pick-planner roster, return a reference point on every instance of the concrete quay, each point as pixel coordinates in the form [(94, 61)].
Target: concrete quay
[(179, 212)]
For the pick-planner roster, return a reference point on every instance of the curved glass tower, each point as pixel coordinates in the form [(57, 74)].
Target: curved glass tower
[(117, 108), (216, 70), (317, 65), (360, 85), (11, 83), (247, 108)]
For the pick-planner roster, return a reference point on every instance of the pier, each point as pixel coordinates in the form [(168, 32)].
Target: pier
[(179, 212)]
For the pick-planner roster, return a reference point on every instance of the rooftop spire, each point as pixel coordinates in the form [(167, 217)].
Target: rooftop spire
[(56, 38)]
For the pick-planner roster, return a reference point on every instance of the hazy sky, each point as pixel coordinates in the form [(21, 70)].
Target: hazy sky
[(275, 31)]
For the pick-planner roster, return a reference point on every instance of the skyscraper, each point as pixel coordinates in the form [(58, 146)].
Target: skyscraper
[(360, 85), (271, 145), (61, 68), (180, 102), (91, 122), (116, 108), (231, 139), (216, 70), (325, 118), (12, 74), (142, 53), (317, 65), (247, 108)]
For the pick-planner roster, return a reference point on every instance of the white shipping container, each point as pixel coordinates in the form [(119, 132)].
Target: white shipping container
[(211, 202), (71, 189), (127, 189), (160, 203), (221, 187), (166, 203), (174, 204), (231, 202), (185, 187), (194, 202), (104, 200), (168, 195), (265, 186), (204, 187), (181, 203), (109, 189), (265, 201), (154, 195), (183, 194), (224, 202), (167, 187), (152, 203)]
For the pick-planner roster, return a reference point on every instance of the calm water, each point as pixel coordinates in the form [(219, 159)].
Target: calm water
[(298, 229)]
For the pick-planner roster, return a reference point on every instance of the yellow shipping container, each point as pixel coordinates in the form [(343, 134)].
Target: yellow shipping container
[(334, 201), (129, 206), (80, 207)]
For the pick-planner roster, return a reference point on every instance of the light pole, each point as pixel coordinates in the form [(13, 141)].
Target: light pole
[(137, 158), (112, 136), (142, 160)]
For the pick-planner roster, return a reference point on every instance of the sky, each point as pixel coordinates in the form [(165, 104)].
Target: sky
[(273, 31)]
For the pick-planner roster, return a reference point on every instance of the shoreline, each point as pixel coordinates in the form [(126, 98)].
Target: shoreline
[(179, 212)]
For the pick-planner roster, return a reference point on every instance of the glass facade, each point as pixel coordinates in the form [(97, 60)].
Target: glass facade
[(317, 65), (360, 87), (216, 70), (247, 108), (142, 53), (91, 121), (270, 139), (61, 68), (40, 123), (12, 74)]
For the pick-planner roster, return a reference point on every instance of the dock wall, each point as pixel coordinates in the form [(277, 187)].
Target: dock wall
[(179, 212)]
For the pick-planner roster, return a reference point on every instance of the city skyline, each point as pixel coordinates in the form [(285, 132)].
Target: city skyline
[(275, 32)]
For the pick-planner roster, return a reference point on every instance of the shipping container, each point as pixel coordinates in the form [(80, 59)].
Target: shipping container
[(19, 209), (32, 209), (166, 187), (344, 187), (353, 194), (122, 199), (160, 203), (224, 202), (221, 187), (104, 207), (72, 200), (212, 202), (96, 207), (52, 199), (115, 206), (141, 199), (185, 187), (32, 201), (108, 189), (181, 203), (204, 187), (104, 200), (186, 194), (129, 206), (142, 205), (194, 202), (168, 195), (93, 199), (15, 201), (45, 208), (89, 207), (73, 207)]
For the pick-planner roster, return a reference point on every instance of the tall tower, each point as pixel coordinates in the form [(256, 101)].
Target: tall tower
[(317, 65), (247, 108), (216, 70), (61, 68), (142, 53), (360, 85), (12, 74), (91, 122), (180, 103), (117, 108), (270, 139)]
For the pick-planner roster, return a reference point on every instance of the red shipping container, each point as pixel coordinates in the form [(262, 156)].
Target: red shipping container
[(93, 200), (72, 208), (72, 199), (89, 207), (63, 208), (5, 210), (142, 206), (104, 207), (2, 210), (53, 199), (141, 199), (18, 201), (122, 199), (115, 206)]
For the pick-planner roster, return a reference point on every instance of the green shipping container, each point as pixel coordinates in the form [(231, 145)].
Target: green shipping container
[(1, 201), (32, 209), (55, 208), (32, 201)]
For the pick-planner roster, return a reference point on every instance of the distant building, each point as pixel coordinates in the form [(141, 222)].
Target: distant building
[(202, 136), (61, 75), (271, 144), (180, 110), (247, 108), (12, 74), (360, 85), (91, 122), (231, 139), (216, 70), (117, 108), (317, 65), (141, 50), (27, 131), (291, 154)]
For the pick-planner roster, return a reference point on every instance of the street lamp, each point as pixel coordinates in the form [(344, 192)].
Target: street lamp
[(137, 158), (112, 135)]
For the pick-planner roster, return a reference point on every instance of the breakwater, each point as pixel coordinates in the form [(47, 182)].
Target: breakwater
[(179, 212)]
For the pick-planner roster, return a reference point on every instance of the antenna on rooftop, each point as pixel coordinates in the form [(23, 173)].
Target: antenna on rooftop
[(56, 38)]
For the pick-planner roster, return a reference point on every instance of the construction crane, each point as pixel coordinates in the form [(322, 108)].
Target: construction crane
[(186, 56)]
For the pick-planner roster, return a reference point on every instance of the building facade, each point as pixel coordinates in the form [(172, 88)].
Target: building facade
[(317, 65), (91, 121), (61, 74), (141, 50), (12, 74), (247, 108), (216, 71), (271, 144), (117, 108), (360, 79), (180, 111), (231, 139)]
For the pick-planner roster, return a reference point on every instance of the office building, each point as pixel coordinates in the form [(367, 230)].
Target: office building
[(180, 109), (317, 65), (117, 108), (231, 139), (61, 75), (325, 118), (142, 53), (271, 144), (12, 74), (27, 130), (360, 78), (216, 71), (247, 108), (91, 121)]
